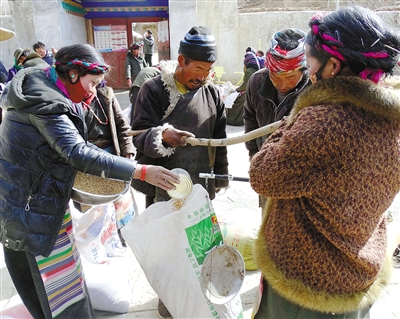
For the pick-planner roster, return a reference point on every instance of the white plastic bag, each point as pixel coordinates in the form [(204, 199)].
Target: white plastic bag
[(170, 246), (230, 99), (106, 263), (96, 233), (127, 113)]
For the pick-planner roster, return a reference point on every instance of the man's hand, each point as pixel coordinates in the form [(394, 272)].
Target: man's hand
[(129, 82), (174, 138)]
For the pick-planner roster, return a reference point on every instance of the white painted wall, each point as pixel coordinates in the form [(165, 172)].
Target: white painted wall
[(44, 21), (182, 16), (235, 32)]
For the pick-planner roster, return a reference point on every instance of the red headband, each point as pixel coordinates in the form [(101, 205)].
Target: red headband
[(279, 65)]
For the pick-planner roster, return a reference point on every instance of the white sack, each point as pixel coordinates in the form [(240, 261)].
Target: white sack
[(171, 246)]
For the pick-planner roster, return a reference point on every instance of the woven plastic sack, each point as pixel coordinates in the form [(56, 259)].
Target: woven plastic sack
[(240, 233), (171, 240), (105, 262), (110, 284)]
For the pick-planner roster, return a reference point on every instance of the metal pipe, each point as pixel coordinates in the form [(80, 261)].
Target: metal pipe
[(225, 176)]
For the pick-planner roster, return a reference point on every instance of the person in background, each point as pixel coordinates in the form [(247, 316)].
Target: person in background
[(250, 49), (261, 58), (272, 91), (48, 56), (330, 172), (234, 114), (148, 47), (134, 63), (182, 102), (42, 146), (144, 75), (19, 57), (34, 59)]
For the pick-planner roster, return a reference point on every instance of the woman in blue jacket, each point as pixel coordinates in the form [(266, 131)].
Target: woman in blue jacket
[(43, 143)]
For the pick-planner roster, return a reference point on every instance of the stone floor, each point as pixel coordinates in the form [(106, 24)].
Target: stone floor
[(238, 197)]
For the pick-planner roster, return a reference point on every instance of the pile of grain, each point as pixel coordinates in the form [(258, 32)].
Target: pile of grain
[(97, 185)]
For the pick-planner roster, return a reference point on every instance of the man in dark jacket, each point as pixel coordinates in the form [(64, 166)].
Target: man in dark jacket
[(134, 63), (182, 102), (46, 55), (272, 91)]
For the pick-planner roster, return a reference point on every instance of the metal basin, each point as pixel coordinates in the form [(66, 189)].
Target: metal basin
[(94, 199), (86, 198)]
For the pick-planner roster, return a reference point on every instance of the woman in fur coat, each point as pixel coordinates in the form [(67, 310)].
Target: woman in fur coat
[(330, 172)]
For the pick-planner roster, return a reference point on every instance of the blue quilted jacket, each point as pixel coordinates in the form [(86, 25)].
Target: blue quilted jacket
[(42, 146)]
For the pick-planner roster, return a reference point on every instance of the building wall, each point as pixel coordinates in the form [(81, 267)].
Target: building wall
[(235, 31), (44, 21), (48, 22)]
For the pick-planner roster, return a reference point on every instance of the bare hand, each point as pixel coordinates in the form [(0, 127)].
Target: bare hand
[(159, 176), (129, 82), (174, 138)]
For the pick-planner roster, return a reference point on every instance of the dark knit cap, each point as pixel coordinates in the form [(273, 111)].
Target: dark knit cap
[(134, 46), (199, 45), (19, 52), (250, 49)]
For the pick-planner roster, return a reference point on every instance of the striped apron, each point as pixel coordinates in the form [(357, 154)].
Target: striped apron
[(61, 271)]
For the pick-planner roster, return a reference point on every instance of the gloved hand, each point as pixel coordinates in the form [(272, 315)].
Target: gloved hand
[(174, 138)]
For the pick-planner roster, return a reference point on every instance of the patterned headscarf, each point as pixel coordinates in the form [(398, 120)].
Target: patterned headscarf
[(250, 61), (279, 60)]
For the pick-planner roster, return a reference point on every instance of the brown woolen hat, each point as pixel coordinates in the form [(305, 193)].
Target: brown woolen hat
[(19, 52)]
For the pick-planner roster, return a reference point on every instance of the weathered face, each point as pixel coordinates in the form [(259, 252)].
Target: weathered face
[(135, 53), (285, 82), (41, 51), (192, 75)]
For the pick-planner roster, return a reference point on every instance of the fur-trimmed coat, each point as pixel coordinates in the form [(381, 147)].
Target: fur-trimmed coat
[(330, 172), (160, 105)]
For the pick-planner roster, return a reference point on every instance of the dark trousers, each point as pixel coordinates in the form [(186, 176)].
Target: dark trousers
[(149, 59), (133, 93), (26, 277), (273, 306)]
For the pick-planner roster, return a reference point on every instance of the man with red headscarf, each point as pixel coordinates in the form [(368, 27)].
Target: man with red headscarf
[(272, 91)]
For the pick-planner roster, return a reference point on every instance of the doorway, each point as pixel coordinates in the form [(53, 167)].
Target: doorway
[(138, 30)]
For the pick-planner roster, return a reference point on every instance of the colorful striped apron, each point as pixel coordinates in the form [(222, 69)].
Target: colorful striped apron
[(61, 271)]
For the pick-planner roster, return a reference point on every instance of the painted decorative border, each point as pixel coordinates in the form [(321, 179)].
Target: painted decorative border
[(73, 7)]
